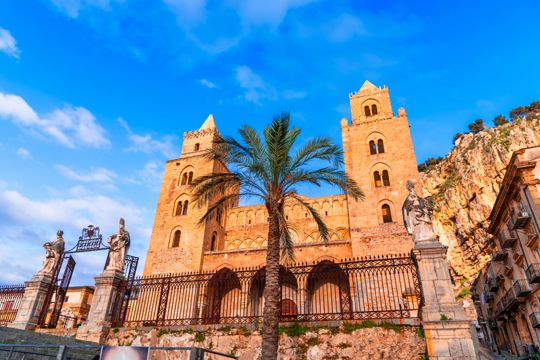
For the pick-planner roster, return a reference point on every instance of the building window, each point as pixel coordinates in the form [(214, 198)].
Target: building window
[(372, 147), (213, 242), (380, 146), (386, 213), (367, 111), (197, 147), (190, 177), (178, 211), (373, 109), (185, 207), (218, 215), (385, 178), (377, 178), (176, 239), (184, 179)]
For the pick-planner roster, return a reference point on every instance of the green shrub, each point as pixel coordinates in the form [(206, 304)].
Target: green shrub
[(225, 329), (294, 330), (444, 317), (313, 341), (466, 291), (420, 332), (199, 336)]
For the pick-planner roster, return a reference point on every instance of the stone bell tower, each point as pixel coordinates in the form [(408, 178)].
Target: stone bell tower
[(178, 240), (379, 156)]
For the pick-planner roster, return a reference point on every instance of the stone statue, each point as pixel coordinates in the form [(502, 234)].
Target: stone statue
[(118, 247), (417, 215), (53, 253)]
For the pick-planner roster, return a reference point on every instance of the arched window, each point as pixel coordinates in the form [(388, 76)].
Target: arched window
[(373, 109), (190, 177), (386, 213), (213, 242), (218, 215), (372, 147), (380, 146), (385, 178), (197, 147), (176, 239), (184, 179), (178, 211), (377, 178), (367, 111), (185, 207)]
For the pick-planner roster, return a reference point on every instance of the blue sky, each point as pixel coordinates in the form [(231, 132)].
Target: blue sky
[(96, 94)]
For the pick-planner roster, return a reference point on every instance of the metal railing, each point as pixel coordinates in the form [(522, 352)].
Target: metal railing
[(90, 352), (373, 288), (533, 273), (10, 301), (521, 288)]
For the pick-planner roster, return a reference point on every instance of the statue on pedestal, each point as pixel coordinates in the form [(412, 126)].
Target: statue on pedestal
[(118, 248), (417, 215), (53, 253)]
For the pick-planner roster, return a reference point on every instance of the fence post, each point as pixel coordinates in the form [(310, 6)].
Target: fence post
[(62, 353), (196, 354), (33, 301)]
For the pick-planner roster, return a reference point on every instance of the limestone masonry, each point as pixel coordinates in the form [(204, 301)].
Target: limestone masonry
[(379, 155)]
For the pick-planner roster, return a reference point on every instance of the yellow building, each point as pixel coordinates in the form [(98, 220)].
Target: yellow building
[(379, 155)]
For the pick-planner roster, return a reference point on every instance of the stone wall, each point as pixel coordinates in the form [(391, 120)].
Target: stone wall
[(316, 344)]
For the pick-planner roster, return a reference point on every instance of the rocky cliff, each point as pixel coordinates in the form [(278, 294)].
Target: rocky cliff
[(465, 184)]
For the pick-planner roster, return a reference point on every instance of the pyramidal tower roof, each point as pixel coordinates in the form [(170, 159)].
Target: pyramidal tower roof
[(368, 86), (209, 123)]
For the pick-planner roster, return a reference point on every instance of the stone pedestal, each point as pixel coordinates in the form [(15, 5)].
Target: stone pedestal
[(100, 317), (32, 302), (448, 333)]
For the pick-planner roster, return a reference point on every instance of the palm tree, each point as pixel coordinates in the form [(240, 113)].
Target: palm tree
[(270, 169)]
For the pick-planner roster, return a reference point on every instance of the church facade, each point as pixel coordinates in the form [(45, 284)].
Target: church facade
[(379, 156)]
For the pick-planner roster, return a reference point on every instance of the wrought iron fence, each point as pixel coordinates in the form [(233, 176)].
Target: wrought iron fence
[(369, 288), (10, 301)]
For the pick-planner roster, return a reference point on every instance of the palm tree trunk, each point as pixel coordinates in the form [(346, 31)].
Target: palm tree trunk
[(272, 292)]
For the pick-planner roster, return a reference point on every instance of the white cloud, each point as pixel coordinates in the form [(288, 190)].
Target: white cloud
[(69, 126), (188, 12), (167, 145), (72, 8), (345, 27), (256, 12), (207, 83), (100, 175), (8, 44), (28, 223), (256, 89), (152, 174), (23, 153)]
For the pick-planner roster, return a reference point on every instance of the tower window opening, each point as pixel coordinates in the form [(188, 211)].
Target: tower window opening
[(377, 178), (380, 146), (386, 213), (184, 179), (385, 178), (373, 109), (178, 211), (213, 242), (185, 207), (372, 147), (190, 177), (218, 215), (176, 239), (326, 213), (367, 111), (197, 147)]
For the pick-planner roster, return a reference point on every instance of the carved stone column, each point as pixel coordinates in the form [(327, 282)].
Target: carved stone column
[(32, 302), (449, 335), (100, 317)]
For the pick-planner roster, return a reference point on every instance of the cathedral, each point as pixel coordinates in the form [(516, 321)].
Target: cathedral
[(379, 156)]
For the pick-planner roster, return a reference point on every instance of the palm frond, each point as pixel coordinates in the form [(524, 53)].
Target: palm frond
[(323, 229)]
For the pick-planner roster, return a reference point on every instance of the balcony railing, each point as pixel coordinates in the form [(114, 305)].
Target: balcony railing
[(499, 256), (509, 300), (519, 219), (533, 273), (535, 319), (521, 288), (492, 283), (507, 241)]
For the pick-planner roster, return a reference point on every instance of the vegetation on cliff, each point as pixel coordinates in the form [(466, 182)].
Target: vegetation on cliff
[(464, 184)]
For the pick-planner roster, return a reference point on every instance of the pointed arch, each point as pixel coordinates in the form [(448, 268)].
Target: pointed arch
[(374, 109), (386, 213), (372, 147), (213, 242), (185, 207), (176, 238), (367, 111), (190, 177)]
